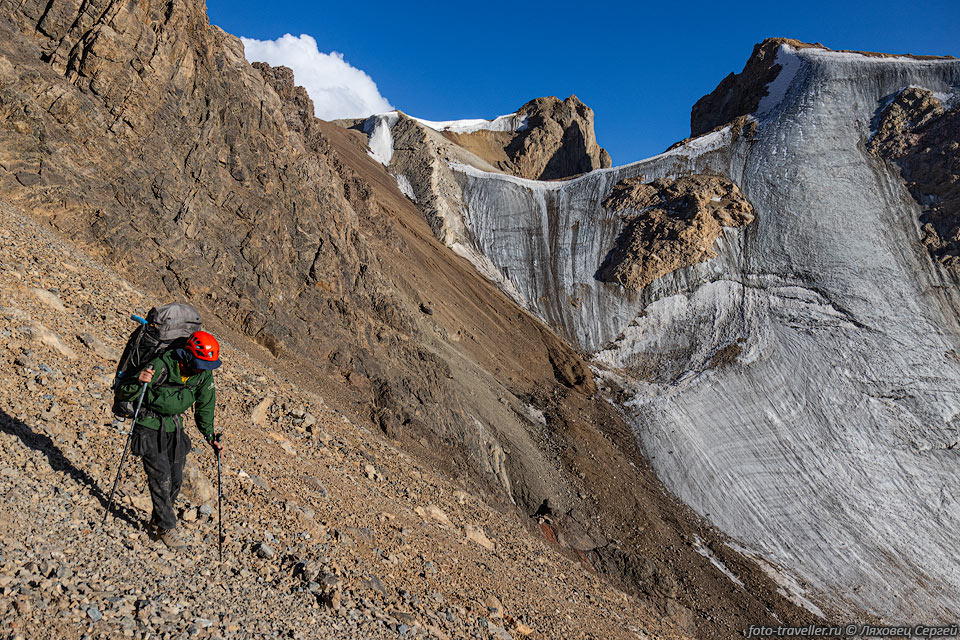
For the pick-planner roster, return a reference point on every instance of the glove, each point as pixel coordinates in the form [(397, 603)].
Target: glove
[(214, 441)]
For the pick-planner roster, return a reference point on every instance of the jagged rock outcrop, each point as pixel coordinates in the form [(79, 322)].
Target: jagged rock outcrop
[(557, 141), (141, 126), (923, 138), (739, 94), (675, 224)]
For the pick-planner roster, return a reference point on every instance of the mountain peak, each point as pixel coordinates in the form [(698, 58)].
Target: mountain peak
[(739, 94), (558, 142)]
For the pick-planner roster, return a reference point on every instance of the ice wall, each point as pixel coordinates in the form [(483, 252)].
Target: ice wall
[(827, 436), (549, 238)]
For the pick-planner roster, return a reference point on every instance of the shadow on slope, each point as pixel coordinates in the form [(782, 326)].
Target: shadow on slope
[(59, 462)]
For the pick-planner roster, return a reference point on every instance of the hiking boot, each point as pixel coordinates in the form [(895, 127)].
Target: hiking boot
[(171, 538)]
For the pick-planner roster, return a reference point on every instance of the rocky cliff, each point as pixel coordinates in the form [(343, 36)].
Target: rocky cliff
[(674, 224), (799, 388), (739, 94), (555, 141), (742, 94), (140, 132), (545, 139), (922, 137)]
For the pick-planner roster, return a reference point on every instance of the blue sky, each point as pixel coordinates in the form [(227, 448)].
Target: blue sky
[(640, 67)]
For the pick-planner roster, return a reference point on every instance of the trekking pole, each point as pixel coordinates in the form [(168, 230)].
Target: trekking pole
[(216, 439), (126, 446)]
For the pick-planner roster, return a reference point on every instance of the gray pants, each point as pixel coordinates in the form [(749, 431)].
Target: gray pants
[(163, 454)]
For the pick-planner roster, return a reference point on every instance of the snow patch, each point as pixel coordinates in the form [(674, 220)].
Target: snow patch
[(947, 100), (788, 586), (707, 553), (538, 185), (509, 122), (380, 139), (702, 144), (535, 415), (859, 57), (380, 136), (403, 183), (790, 64)]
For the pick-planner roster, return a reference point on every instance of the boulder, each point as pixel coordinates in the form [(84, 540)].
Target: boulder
[(196, 487)]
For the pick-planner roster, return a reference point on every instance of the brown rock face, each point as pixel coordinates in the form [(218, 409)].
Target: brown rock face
[(418, 156), (923, 139), (739, 94), (677, 224), (899, 122), (558, 142), (147, 132), (143, 132)]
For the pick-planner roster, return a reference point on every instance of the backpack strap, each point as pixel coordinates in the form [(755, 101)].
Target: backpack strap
[(163, 377), (133, 343), (158, 380)]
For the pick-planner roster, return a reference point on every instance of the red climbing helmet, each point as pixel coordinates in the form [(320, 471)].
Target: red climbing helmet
[(205, 350)]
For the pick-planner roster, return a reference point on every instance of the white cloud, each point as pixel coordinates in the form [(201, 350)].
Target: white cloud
[(338, 90)]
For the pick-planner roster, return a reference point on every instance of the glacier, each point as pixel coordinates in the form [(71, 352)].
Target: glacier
[(828, 444), (508, 122)]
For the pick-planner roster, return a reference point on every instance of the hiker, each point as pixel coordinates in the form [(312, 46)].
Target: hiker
[(177, 379)]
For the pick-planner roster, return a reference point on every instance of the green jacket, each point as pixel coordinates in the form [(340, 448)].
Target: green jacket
[(168, 402)]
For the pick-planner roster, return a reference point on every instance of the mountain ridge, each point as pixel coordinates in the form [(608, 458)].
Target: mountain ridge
[(223, 190), (753, 378)]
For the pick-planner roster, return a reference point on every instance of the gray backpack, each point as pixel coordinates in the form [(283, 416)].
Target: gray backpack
[(166, 327)]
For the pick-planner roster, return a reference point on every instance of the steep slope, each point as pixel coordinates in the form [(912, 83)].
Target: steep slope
[(220, 191), (799, 389), (330, 530), (140, 131)]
